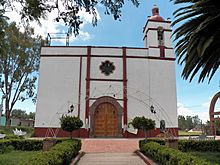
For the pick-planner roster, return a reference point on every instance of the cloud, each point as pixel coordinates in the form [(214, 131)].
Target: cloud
[(207, 104), (83, 36), (185, 111), (202, 110), (49, 25)]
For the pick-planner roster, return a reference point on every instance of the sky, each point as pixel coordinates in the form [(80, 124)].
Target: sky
[(192, 98)]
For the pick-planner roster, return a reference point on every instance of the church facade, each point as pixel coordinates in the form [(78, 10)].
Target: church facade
[(108, 86)]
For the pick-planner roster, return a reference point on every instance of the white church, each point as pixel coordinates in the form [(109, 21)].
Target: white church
[(108, 86)]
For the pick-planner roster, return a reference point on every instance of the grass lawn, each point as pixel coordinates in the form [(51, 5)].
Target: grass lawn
[(184, 133), (213, 157), (14, 157)]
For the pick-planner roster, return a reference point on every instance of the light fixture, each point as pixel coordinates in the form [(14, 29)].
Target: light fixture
[(152, 109)]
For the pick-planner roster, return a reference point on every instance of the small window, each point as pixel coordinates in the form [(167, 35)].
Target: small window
[(160, 36), (107, 67)]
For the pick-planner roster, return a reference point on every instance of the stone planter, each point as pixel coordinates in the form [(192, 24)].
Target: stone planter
[(48, 143), (172, 143)]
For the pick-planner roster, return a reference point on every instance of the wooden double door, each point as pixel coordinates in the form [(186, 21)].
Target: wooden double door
[(106, 120)]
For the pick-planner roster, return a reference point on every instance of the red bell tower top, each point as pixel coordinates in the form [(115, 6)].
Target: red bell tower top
[(155, 14)]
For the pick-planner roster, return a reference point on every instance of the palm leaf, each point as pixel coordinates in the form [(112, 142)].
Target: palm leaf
[(198, 38)]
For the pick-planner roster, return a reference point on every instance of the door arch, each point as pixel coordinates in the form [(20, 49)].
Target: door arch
[(106, 118)]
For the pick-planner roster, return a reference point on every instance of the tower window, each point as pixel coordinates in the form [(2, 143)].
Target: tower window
[(160, 36)]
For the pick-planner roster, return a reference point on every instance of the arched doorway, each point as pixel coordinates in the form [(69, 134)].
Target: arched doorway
[(106, 118)]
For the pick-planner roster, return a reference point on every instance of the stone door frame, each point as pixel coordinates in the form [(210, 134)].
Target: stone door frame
[(106, 99)]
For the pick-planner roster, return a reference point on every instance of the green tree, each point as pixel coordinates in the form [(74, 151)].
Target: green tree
[(31, 115), (188, 122), (18, 113), (181, 122), (19, 63), (196, 121), (70, 123), (198, 37), (67, 10), (143, 123)]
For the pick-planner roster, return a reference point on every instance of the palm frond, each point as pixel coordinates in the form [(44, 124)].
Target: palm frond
[(198, 38)]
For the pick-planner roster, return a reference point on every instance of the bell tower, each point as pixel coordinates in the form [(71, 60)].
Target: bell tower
[(157, 35)]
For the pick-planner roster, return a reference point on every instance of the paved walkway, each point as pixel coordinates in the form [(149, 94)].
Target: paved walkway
[(109, 145), (111, 159), (110, 152)]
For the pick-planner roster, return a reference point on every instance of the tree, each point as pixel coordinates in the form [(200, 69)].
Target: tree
[(18, 113), (196, 121), (70, 123), (143, 123), (181, 122), (31, 115), (67, 10), (19, 63), (198, 38), (188, 122)]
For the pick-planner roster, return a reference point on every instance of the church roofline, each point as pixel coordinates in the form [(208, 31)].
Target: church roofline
[(113, 47)]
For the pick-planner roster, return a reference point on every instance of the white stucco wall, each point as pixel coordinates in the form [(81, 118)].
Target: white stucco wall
[(150, 82), (138, 87), (151, 39), (153, 24), (58, 89), (137, 52), (83, 90), (168, 39), (163, 91), (106, 88), (96, 72), (104, 51), (64, 51)]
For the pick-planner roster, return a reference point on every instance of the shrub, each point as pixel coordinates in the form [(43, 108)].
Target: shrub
[(143, 123), (190, 145), (25, 145), (61, 153), (199, 145), (157, 140), (70, 123), (6, 149), (11, 136), (169, 156)]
